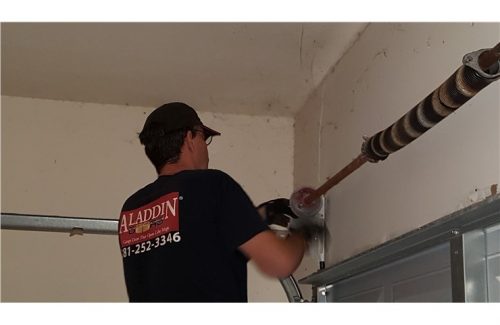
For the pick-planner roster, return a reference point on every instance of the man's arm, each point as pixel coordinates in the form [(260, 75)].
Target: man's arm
[(274, 256)]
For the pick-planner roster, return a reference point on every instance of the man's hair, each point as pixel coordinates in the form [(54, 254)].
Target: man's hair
[(163, 147)]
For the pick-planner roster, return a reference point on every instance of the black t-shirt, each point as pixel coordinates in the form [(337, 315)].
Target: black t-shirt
[(179, 238)]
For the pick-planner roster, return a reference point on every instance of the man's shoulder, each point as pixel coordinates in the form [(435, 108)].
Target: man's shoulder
[(135, 199), (216, 173), (215, 179), (210, 179)]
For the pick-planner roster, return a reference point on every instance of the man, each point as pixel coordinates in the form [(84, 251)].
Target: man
[(188, 235)]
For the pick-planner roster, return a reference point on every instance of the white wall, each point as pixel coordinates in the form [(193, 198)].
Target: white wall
[(388, 71), (83, 160)]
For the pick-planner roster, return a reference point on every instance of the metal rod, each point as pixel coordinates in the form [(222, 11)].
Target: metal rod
[(346, 171), (13, 221), (489, 58), (479, 69)]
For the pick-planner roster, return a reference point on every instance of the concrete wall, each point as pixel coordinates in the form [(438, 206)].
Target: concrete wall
[(83, 160), (385, 73)]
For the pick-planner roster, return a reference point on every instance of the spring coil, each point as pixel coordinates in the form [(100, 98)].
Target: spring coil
[(461, 86)]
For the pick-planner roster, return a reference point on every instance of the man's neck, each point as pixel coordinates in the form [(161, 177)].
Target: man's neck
[(171, 169)]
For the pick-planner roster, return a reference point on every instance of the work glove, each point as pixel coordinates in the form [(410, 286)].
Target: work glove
[(278, 215), (276, 212)]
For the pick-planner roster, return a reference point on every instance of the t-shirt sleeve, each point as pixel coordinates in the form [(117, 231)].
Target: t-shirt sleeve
[(238, 219)]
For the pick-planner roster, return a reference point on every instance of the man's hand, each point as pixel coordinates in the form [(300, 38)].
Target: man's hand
[(276, 212), (280, 218)]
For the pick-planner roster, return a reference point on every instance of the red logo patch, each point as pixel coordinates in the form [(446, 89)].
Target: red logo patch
[(152, 220)]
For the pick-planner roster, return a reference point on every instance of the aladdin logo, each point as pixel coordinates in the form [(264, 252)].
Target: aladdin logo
[(158, 217)]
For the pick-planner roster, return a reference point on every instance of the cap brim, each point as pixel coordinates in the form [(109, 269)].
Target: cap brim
[(210, 131)]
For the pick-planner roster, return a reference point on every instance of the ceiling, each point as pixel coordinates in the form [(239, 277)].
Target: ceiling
[(242, 68)]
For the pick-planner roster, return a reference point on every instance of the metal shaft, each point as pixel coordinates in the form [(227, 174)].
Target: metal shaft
[(346, 171), (72, 225), (479, 69), (489, 58)]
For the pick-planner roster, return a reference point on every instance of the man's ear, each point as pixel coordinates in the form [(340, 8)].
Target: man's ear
[(189, 140)]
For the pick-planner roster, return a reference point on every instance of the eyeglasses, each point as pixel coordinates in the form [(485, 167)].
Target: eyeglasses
[(206, 137)]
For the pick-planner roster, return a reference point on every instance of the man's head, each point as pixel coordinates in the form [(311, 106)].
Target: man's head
[(171, 129)]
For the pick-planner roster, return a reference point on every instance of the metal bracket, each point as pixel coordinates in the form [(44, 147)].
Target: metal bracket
[(322, 238), (472, 61)]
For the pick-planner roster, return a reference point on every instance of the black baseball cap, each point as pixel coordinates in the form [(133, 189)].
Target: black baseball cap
[(175, 116)]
